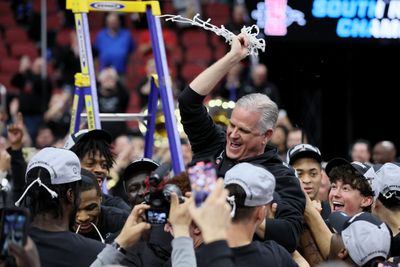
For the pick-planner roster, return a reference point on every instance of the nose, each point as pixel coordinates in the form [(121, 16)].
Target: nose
[(336, 193), (82, 217), (141, 191), (305, 179), (234, 132), (97, 169)]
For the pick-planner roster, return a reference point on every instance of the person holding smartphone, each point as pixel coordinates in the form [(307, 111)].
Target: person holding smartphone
[(246, 139)]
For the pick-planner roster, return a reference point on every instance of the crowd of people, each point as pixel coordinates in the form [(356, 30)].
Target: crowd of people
[(94, 200)]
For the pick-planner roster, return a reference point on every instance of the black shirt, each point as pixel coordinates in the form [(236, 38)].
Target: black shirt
[(209, 140), (64, 248), (110, 223), (268, 253), (114, 201), (154, 251)]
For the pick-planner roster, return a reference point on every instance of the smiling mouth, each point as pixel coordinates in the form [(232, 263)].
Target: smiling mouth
[(337, 206), (84, 227), (234, 145)]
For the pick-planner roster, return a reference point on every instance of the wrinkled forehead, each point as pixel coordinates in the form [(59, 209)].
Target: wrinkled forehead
[(243, 116)]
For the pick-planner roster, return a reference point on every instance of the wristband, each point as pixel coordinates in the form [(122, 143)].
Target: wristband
[(118, 247)]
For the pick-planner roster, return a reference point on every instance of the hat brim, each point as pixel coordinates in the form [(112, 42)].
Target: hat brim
[(305, 154), (334, 163), (139, 166), (338, 221)]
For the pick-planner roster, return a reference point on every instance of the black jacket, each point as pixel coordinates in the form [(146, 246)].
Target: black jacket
[(209, 140)]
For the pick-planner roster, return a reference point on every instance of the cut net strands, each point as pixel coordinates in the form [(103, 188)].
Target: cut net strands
[(251, 32)]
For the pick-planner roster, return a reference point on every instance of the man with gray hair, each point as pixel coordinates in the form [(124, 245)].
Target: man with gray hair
[(246, 139)]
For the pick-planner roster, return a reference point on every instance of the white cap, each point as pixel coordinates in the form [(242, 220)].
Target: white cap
[(256, 181), (62, 164), (364, 235)]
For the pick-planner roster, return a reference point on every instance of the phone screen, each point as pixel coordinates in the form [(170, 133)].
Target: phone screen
[(156, 216), (14, 223), (202, 177)]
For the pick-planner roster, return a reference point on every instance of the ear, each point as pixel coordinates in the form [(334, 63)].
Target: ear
[(70, 195), (343, 254), (367, 201), (267, 136), (261, 213), (268, 210)]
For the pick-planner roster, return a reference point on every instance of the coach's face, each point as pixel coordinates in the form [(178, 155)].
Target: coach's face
[(244, 138)]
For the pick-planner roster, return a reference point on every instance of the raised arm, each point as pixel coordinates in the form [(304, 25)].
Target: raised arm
[(320, 231), (205, 82)]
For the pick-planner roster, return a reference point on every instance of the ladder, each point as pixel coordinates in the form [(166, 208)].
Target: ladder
[(85, 81)]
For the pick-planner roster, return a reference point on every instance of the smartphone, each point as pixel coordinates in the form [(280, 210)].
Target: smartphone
[(14, 228), (156, 216), (202, 176)]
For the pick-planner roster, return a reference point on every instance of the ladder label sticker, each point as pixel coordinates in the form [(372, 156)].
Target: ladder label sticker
[(106, 6), (81, 43)]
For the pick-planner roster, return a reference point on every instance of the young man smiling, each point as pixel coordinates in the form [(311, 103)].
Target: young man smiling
[(352, 186), (93, 150), (352, 192), (94, 220)]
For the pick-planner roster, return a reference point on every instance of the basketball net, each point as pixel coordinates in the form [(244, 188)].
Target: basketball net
[(251, 32)]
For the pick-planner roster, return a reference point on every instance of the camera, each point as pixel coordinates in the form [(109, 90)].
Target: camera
[(158, 195)]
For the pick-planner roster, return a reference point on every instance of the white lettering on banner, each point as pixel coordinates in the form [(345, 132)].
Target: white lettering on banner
[(361, 19)]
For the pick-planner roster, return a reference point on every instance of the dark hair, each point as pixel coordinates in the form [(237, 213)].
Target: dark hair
[(242, 213), (91, 146), (89, 182), (182, 181), (40, 201), (348, 175), (374, 262), (392, 203)]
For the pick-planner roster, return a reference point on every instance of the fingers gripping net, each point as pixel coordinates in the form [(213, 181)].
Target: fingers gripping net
[(251, 32)]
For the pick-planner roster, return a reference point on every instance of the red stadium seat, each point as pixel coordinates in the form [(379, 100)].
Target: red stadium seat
[(96, 20), (5, 8), (219, 51), (190, 71), (16, 35), (7, 20), (20, 49), (5, 79), (175, 56), (9, 65), (51, 6), (198, 54), (63, 37), (3, 51), (214, 10), (194, 37), (54, 22)]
